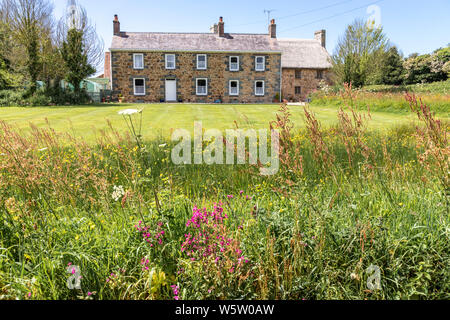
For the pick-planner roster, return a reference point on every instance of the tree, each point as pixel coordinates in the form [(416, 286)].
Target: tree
[(392, 71), (8, 76), (75, 58), (28, 20), (446, 68), (427, 67), (76, 18), (359, 53)]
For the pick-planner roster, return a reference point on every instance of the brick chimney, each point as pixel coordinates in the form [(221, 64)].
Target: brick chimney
[(107, 72), (116, 24), (321, 36), (273, 29), (221, 28)]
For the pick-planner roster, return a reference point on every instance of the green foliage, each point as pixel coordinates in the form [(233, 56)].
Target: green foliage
[(384, 98), (391, 71), (441, 88), (42, 97), (359, 53), (428, 67), (75, 59), (312, 239)]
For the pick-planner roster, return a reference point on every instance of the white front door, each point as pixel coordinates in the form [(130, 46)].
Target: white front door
[(171, 90)]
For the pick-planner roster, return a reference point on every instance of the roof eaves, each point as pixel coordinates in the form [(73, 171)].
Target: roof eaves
[(181, 50)]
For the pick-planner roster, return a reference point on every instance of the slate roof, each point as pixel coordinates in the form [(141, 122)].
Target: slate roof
[(201, 42), (296, 53), (303, 53)]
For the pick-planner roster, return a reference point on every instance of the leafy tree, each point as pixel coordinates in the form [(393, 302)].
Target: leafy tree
[(359, 53), (446, 68), (427, 67), (28, 20), (76, 17), (75, 58), (392, 71), (8, 78)]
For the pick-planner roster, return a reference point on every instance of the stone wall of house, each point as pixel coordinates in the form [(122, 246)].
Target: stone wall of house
[(309, 82), (217, 73)]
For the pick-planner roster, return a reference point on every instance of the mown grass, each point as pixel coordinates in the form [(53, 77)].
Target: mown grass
[(162, 119), (358, 198)]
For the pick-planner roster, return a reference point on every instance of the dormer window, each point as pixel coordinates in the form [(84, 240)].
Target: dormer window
[(138, 61), (234, 63), (260, 63), (170, 61), (202, 62)]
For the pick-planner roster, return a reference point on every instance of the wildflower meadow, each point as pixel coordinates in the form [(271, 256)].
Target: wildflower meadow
[(352, 213)]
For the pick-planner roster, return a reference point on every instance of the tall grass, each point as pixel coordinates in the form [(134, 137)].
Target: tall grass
[(345, 198), (387, 99)]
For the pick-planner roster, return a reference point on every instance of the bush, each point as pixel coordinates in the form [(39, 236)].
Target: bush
[(52, 96), (11, 97)]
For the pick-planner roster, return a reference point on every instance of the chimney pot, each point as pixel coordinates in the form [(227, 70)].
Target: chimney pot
[(116, 25), (221, 28)]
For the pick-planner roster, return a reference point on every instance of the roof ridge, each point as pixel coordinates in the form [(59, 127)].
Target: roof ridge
[(206, 33)]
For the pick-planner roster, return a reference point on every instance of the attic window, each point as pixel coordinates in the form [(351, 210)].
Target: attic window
[(170, 61), (260, 63), (234, 63), (298, 74), (138, 61)]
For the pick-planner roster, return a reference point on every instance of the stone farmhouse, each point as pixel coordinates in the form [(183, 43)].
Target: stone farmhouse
[(215, 67)]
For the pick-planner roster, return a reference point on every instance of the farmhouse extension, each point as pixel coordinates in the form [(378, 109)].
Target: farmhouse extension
[(215, 66)]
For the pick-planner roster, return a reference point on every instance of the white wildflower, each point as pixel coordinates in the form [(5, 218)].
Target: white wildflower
[(163, 145), (118, 193), (129, 112), (43, 149)]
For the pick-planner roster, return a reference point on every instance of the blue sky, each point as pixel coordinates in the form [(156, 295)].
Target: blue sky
[(413, 25)]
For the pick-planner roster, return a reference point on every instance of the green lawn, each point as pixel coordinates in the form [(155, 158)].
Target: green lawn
[(158, 119)]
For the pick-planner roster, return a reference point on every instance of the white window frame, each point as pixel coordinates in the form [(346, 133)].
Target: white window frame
[(229, 88), (263, 63), (196, 87), (234, 70), (174, 61), (134, 87), (206, 61), (134, 61), (263, 87)]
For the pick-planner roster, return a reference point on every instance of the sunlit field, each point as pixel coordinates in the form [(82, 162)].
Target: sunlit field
[(355, 193), (159, 119)]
